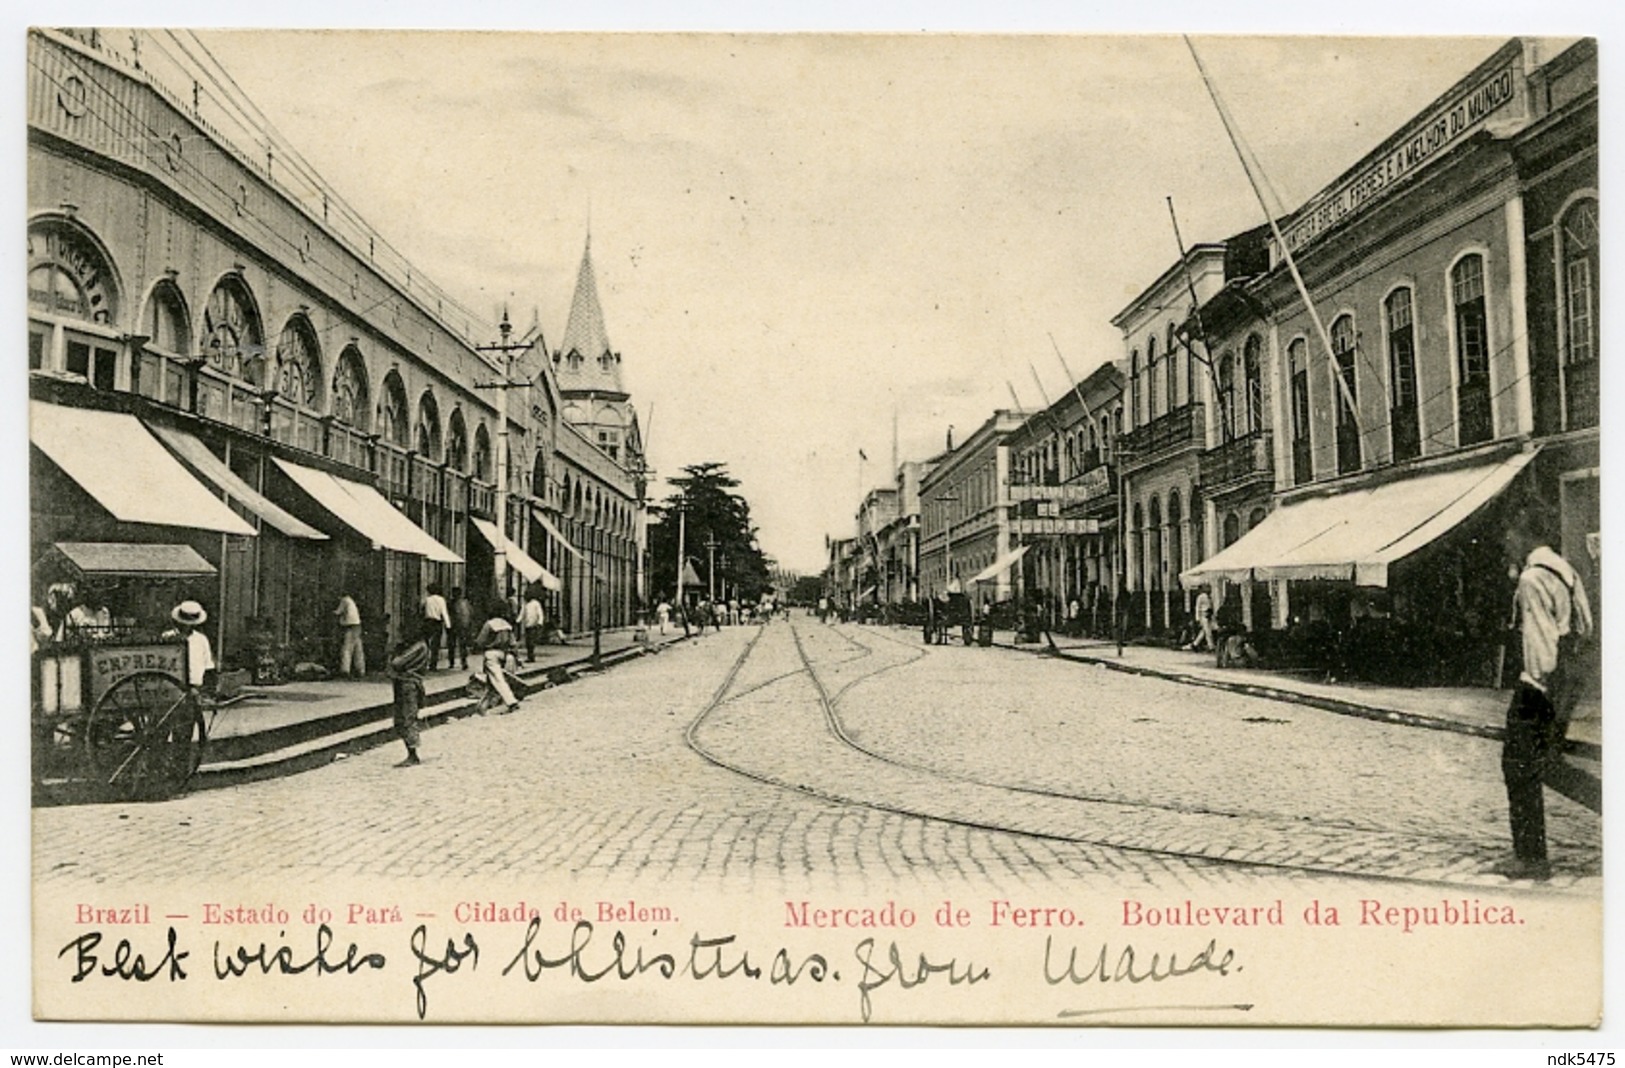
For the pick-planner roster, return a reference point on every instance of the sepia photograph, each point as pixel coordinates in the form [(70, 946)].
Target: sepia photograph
[(998, 529)]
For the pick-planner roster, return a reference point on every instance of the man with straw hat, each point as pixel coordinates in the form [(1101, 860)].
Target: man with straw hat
[(189, 616)]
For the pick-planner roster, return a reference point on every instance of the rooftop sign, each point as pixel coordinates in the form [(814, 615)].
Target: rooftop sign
[(1402, 157)]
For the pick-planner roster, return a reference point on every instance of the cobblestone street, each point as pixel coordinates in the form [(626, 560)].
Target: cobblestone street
[(988, 765)]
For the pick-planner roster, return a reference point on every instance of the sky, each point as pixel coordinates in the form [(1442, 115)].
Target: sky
[(798, 237)]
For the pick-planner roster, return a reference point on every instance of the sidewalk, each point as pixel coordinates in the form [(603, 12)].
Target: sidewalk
[(1464, 710), (304, 724)]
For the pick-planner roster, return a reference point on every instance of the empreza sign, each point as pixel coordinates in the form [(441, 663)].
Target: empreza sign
[(1427, 141)]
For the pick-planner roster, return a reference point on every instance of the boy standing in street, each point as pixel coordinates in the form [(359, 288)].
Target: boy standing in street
[(406, 677)]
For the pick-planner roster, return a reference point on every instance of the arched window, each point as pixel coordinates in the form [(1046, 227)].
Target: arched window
[(1172, 360), (1297, 355), (1255, 517), (1134, 380), (1472, 339), (1227, 396), (1137, 539), (1579, 236), (1346, 403), (457, 442), (1151, 379), (482, 454), (1154, 544), (427, 432), (1403, 415), (538, 476), (1253, 381), (168, 329), (1176, 536), (166, 322), (69, 275), (392, 424), (299, 364), (1231, 530), (73, 303), (352, 398), (232, 338)]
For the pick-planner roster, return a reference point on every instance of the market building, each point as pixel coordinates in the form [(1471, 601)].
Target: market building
[(208, 322)]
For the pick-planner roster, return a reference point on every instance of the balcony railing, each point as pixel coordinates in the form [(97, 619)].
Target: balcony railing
[(1180, 428), (482, 497), (1249, 456)]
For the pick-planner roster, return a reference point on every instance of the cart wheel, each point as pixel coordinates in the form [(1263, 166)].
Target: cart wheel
[(145, 737)]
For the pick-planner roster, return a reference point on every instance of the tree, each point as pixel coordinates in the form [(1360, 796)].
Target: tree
[(718, 531)]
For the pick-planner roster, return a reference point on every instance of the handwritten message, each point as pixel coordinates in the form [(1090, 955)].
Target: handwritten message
[(865, 957)]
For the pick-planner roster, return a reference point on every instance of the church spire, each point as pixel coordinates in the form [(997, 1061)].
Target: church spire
[(588, 360)]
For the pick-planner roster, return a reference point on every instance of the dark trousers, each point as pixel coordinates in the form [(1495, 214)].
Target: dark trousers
[(433, 631), (456, 646), (408, 698), (1532, 759)]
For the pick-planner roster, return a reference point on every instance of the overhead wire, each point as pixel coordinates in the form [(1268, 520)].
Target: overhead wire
[(269, 233)]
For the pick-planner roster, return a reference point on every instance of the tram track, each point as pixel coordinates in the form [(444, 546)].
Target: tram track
[(829, 701)]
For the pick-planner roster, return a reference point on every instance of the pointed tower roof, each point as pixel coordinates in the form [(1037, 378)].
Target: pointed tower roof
[(586, 361)]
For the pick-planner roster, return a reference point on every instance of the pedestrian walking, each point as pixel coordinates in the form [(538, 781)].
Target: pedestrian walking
[(406, 668), (1203, 638), (352, 656), (436, 623), (462, 620), (532, 621), (663, 614), (495, 643), (1553, 617)]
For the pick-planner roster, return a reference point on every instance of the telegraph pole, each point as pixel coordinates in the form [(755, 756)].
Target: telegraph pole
[(682, 537), (711, 566), (499, 566)]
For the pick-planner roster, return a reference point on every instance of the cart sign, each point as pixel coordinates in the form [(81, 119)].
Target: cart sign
[(110, 663)]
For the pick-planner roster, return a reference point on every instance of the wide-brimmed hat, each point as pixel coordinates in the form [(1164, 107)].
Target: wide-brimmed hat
[(190, 614)]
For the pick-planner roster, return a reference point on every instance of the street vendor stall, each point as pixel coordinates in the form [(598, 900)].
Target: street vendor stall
[(112, 708)]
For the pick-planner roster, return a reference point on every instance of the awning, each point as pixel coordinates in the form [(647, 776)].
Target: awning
[(1355, 536), (124, 560), (1001, 565), (521, 561), (211, 468), (554, 532), (367, 512), (115, 460)]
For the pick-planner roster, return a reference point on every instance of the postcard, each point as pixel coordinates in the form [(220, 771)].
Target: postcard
[(862, 529)]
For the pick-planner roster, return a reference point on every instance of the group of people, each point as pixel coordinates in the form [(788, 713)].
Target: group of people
[(497, 645), (66, 614), (714, 614)]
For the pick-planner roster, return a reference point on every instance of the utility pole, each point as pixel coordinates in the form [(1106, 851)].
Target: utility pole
[(499, 565), (711, 566), (682, 562)]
